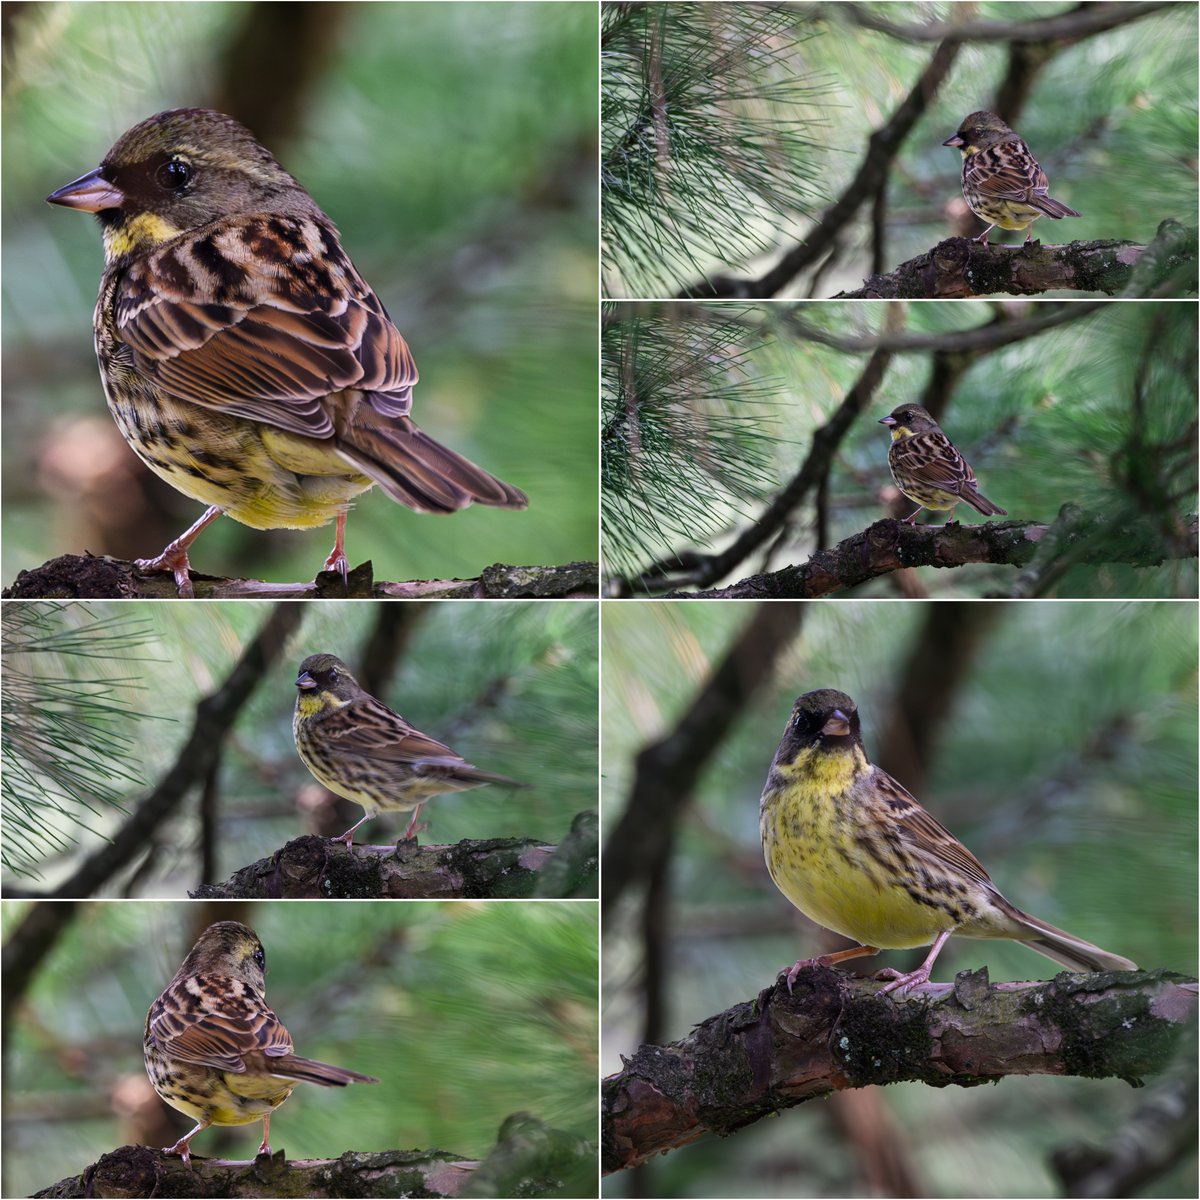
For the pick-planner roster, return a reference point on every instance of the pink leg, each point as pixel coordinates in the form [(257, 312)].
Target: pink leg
[(337, 556), (175, 557), (348, 836), (265, 1147), (412, 825), (920, 975), (982, 238), (182, 1147)]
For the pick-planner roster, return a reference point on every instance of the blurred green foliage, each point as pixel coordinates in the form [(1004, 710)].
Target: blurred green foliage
[(454, 147), (1067, 764), (1112, 119), (510, 686), (1047, 420), (466, 1012)]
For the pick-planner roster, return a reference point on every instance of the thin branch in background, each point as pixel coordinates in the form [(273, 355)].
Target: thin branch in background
[(70, 744), (215, 715), (1080, 20), (682, 445), (703, 569), (702, 154), (882, 148), (668, 769)]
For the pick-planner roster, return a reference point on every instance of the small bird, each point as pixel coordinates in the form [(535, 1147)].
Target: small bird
[(359, 749), (1001, 181), (213, 1048), (853, 851), (243, 357), (928, 469)]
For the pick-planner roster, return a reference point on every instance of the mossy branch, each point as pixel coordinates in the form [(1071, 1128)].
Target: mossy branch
[(960, 267), (529, 1159), (86, 576), (835, 1031), (891, 545), (316, 868)]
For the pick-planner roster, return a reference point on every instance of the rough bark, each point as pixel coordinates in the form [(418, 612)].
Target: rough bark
[(86, 576), (315, 868), (835, 1031), (890, 545), (529, 1159), (960, 266)]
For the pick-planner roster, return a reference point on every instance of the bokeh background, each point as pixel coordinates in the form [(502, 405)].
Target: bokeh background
[(728, 129), (98, 700), (1057, 741), (709, 410), (466, 1013), (454, 147)]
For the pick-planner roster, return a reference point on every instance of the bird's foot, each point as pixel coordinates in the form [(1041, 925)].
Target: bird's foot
[(264, 1148), (338, 562), (174, 559), (793, 973), (902, 980), (181, 1149)]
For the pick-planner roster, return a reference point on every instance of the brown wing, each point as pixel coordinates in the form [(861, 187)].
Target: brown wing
[(213, 321), (369, 728), (922, 834), (1006, 171), (931, 458), (216, 1022)]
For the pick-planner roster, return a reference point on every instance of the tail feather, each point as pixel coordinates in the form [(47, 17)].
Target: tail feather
[(979, 502), (1052, 208), (420, 472), (293, 1067), (1068, 950)]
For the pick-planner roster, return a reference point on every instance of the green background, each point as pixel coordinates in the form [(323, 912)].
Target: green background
[(1066, 764), (511, 686), (465, 1012), (454, 147)]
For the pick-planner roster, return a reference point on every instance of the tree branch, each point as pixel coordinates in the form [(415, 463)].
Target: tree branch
[(837, 1032), (315, 868), (529, 1159), (86, 576), (959, 267), (890, 545)]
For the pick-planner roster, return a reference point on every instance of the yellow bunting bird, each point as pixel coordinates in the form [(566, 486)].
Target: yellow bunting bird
[(1001, 181), (928, 469), (213, 1048), (362, 751), (244, 358), (856, 853)]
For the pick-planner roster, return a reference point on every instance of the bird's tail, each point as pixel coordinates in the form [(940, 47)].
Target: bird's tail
[(417, 471), (293, 1067), (979, 502), (1052, 208), (1066, 949)]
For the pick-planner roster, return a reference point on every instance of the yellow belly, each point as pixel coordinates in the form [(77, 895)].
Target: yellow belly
[(816, 862), (261, 476)]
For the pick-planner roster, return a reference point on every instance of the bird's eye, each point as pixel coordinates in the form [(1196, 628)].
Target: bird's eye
[(260, 957), (333, 675), (174, 175)]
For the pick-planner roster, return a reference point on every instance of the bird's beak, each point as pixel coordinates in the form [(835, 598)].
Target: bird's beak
[(90, 192), (305, 682), (954, 141), (888, 421), (838, 724)]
